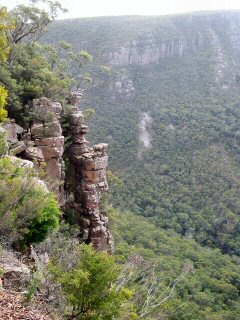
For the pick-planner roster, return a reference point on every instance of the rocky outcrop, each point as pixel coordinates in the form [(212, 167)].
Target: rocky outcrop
[(87, 174), (42, 143), (34, 154), (46, 132), (14, 132), (122, 87), (86, 179), (16, 275)]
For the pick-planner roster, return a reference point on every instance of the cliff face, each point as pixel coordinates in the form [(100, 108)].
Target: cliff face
[(140, 40), (152, 50), (210, 41), (183, 72)]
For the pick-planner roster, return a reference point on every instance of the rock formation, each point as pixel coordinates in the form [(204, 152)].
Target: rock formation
[(13, 132), (46, 132), (16, 274), (86, 178), (42, 143), (87, 172)]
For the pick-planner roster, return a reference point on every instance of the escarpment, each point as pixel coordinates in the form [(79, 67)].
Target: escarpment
[(152, 50), (43, 144)]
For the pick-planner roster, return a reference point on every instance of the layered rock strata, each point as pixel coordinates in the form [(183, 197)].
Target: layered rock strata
[(88, 180), (46, 132)]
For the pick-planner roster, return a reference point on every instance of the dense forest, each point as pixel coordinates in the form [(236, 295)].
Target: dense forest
[(165, 91)]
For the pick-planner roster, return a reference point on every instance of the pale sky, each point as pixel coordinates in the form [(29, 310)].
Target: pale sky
[(91, 8)]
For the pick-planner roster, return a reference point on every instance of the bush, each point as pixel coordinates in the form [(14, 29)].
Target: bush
[(3, 142), (89, 287), (27, 210)]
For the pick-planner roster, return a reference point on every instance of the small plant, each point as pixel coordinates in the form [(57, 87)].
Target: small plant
[(88, 113), (2, 271), (89, 287), (34, 284)]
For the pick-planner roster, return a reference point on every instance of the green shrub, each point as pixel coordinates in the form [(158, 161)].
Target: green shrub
[(27, 210), (46, 220), (89, 287)]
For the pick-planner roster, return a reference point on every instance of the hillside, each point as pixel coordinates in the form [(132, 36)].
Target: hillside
[(166, 94)]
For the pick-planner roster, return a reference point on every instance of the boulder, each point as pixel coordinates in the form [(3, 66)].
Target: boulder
[(18, 148), (12, 130), (34, 154), (16, 275)]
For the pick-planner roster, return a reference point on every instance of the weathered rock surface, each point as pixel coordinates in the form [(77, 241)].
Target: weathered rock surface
[(16, 274), (86, 178), (46, 132), (123, 86), (13, 132), (34, 154), (87, 181)]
